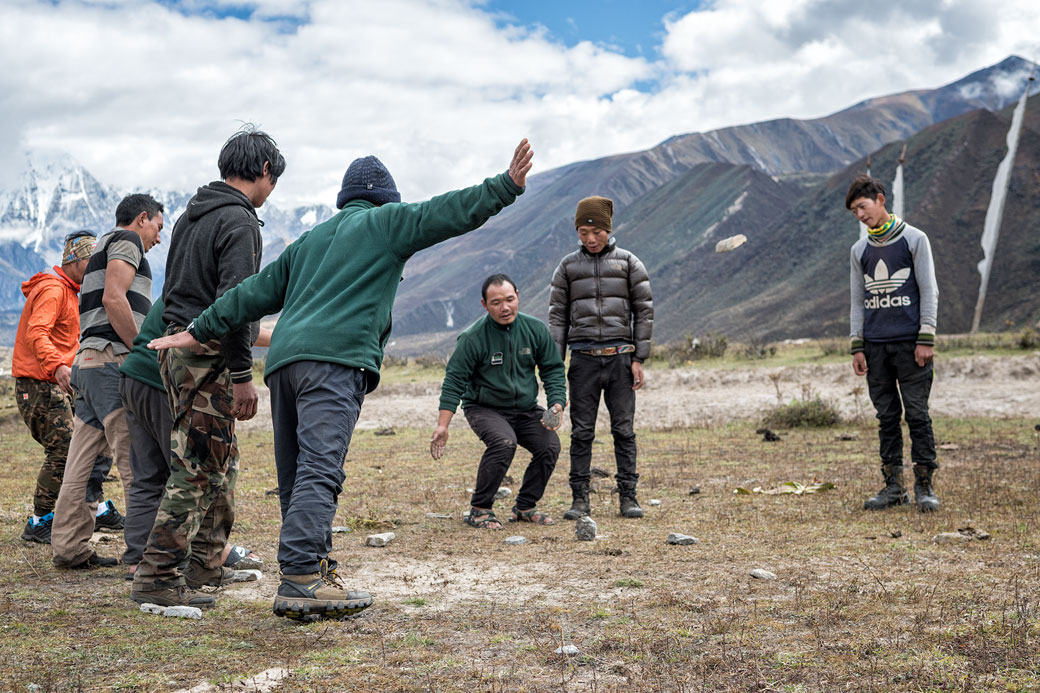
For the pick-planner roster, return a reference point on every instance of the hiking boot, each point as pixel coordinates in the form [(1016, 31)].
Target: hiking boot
[(318, 596), (110, 520), (629, 505), (173, 596), (94, 561), (924, 497), (893, 494), (580, 505), (197, 577), (39, 532)]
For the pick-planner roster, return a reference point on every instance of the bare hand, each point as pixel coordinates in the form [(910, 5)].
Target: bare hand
[(923, 354), (637, 375), (63, 376), (859, 363), (521, 163), (438, 442), (245, 400), (181, 340)]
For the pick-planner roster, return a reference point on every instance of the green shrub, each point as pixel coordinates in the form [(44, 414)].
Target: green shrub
[(689, 348), (811, 411), (756, 348), (1028, 338)]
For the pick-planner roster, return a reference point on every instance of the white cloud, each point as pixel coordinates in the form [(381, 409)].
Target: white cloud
[(144, 95)]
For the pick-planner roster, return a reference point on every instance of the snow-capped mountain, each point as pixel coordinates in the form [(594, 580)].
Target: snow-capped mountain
[(58, 195)]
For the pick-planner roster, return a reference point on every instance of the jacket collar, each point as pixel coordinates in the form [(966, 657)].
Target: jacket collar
[(606, 249)]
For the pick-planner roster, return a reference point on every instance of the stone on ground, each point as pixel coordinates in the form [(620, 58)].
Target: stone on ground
[(514, 541), (437, 516), (762, 574), (682, 539), (654, 501), (731, 243), (183, 612), (340, 529), (569, 650), (503, 492), (380, 539), (585, 529), (247, 575)]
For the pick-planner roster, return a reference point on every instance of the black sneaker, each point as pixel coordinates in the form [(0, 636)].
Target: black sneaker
[(110, 520), (39, 532), (95, 561)]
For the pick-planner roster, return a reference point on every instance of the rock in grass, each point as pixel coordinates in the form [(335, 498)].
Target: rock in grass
[(503, 492), (514, 541), (380, 539), (585, 529), (695, 490), (760, 574), (153, 609), (654, 501), (569, 650), (340, 529), (951, 538), (682, 539), (731, 243), (247, 576), (437, 516), (183, 612)]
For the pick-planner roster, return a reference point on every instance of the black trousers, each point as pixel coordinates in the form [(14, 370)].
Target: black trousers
[(893, 375), (588, 378), (501, 430)]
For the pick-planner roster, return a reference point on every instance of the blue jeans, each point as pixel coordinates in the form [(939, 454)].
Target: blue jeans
[(314, 406)]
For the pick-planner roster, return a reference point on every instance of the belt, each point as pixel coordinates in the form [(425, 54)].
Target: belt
[(609, 351)]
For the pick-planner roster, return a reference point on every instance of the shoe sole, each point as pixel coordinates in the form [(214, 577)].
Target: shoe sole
[(574, 515), (26, 537), (312, 610)]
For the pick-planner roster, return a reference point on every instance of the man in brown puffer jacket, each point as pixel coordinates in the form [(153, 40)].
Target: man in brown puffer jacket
[(601, 308)]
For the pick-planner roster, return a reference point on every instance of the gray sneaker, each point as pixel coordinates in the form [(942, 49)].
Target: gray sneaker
[(318, 596)]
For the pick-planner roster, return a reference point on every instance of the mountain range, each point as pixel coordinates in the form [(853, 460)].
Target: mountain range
[(781, 183)]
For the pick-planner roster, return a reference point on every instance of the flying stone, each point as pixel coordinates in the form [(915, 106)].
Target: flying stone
[(731, 243)]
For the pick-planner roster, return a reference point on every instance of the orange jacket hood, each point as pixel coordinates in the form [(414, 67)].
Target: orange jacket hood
[(48, 332)]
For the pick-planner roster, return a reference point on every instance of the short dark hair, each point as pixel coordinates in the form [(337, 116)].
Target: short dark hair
[(245, 153), (497, 280), (132, 205), (864, 186)]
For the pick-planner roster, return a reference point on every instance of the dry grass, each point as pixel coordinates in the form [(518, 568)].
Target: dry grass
[(862, 601)]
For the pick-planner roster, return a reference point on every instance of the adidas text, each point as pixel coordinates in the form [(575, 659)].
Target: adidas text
[(875, 302)]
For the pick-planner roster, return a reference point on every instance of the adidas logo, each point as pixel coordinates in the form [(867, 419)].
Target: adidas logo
[(882, 283)]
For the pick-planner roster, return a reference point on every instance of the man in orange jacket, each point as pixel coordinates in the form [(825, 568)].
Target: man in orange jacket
[(45, 346)]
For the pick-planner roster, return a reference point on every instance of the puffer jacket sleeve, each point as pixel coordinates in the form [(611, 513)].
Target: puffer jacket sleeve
[(559, 308), (642, 302)]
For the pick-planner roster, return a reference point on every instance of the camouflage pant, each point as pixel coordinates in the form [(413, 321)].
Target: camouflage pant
[(197, 509), (47, 411)]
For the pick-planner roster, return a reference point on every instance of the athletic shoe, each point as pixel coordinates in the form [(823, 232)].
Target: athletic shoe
[(41, 531), (110, 520)]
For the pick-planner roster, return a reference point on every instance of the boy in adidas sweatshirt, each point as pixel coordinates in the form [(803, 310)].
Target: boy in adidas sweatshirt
[(894, 303)]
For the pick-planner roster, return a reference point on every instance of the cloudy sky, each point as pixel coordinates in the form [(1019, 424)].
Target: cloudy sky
[(144, 93)]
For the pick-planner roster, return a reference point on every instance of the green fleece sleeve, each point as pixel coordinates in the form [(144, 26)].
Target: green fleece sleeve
[(412, 227), (256, 296), (551, 369), (457, 374)]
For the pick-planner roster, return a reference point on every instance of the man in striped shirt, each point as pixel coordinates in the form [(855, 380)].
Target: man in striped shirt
[(114, 298)]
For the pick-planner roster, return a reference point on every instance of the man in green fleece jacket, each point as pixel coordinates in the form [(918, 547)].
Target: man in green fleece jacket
[(492, 371), (335, 286)]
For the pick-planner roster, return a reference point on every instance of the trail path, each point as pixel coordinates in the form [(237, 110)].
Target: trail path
[(965, 386)]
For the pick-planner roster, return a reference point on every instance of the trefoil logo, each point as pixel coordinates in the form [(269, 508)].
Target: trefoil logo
[(882, 283)]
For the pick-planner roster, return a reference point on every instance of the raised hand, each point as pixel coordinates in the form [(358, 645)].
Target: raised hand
[(521, 163)]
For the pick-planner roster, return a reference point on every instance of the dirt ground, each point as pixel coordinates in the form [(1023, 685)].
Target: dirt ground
[(860, 601), (675, 398)]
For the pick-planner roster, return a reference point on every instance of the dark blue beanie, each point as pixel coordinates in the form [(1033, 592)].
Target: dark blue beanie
[(368, 179)]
